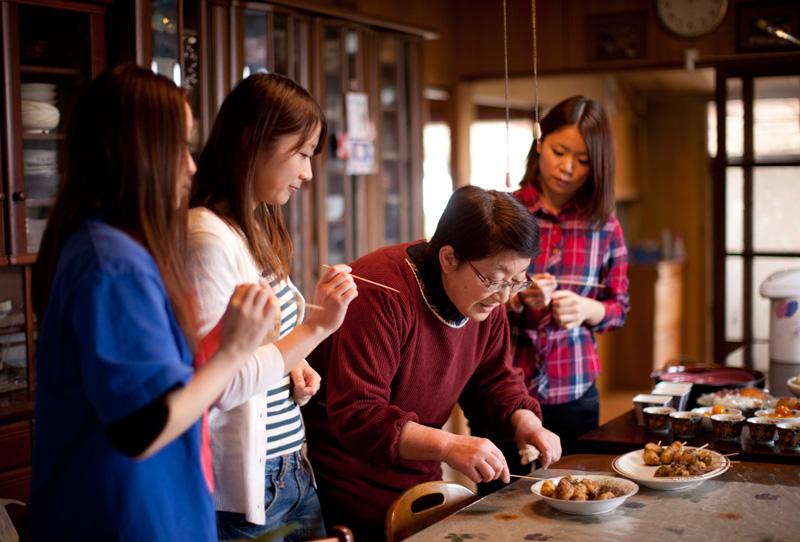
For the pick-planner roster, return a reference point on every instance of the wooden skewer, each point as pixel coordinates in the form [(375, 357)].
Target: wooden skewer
[(326, 266), (579, 283), (731, 454), (527, 477), (701, 447), (315, 307)]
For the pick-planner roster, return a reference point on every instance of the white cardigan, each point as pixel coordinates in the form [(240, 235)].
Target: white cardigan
[(218, 261)]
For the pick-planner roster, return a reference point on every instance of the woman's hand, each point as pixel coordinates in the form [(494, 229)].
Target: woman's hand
[(528, 429), (540, 293), (571, 310), (477, 458), (335, 290), (305, 383), (250, 315)]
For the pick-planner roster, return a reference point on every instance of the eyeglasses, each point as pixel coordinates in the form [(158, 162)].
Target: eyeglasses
[(494, 286)]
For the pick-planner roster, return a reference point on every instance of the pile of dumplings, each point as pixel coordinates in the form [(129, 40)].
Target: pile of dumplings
[(572, 489), (677, 460)]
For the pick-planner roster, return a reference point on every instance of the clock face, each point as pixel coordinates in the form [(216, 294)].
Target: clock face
[(690, 18)]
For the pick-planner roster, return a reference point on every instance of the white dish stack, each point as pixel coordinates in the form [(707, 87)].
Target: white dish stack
[(39, 111), (678, 391), (41, 172)]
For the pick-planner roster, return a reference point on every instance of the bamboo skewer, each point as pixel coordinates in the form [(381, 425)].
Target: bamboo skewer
[(314, 307), (527, 477), (579, 283), (326, 266)]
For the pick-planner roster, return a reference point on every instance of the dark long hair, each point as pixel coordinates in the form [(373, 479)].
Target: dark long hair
[(479, 223), (125, 145), (261, 109), (597, 194)]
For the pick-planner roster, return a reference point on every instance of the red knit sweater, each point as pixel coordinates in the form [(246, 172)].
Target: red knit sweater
[(391, 362)]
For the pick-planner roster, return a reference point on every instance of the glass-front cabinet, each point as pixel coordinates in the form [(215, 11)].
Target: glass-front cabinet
[(172, 47), (50, 51)]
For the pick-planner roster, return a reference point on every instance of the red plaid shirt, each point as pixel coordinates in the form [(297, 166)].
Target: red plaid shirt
[(559, 364)]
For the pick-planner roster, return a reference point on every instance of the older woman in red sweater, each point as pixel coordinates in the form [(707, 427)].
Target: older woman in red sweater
[(400, 362)]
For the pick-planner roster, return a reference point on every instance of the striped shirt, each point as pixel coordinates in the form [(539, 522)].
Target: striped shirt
[(285, 433), (560, 364)]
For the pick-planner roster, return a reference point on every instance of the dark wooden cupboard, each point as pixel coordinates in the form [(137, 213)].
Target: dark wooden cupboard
[(50, 51)]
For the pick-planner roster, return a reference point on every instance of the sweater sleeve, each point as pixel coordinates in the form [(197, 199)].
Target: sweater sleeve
[(496, 389), (364, 357), (615, 296), (212, 270)]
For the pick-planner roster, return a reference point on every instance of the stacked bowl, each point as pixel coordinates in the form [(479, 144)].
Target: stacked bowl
[(39, 111)]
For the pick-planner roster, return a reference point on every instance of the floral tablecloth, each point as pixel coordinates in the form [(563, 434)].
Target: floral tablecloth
[(735, 507)]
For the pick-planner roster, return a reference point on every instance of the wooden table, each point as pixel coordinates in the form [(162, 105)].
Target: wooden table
[(622, 435), (751, 501)]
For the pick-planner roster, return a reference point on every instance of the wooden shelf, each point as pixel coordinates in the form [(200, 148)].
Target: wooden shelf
[(37, 136), (22, 259), (49, 70)]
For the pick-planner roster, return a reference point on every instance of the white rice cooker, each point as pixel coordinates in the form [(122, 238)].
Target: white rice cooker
[(783, 290)]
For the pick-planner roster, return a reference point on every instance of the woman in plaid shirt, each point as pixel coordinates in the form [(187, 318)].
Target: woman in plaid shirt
[(580, 276)]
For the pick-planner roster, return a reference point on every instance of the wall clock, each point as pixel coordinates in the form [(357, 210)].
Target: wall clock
[(691, 18)]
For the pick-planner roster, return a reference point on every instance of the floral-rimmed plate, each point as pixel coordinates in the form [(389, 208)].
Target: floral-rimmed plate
[(631, 465), (626, 488)]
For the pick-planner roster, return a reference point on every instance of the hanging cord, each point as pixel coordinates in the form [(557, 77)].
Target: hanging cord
[(537, 128), (508, 121)]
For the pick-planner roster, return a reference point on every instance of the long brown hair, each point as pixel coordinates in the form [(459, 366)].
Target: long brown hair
[(260, 110), (125, 146), (597, 194)]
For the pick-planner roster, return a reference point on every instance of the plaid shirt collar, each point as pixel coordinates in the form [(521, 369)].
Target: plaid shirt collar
[(531, 198)]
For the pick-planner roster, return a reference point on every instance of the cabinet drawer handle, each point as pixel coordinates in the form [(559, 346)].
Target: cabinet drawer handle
[(19, 196)]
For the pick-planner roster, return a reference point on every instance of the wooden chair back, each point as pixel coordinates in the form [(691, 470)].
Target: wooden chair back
[(423, 505)]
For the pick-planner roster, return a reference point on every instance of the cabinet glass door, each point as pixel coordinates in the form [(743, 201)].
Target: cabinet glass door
[(55, 54), (175, 53), (339, 245)]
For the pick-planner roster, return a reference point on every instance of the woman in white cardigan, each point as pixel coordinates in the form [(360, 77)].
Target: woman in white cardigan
[(258, 154)]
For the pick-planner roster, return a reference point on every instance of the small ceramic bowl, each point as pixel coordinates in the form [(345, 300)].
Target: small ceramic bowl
[(686, 424), (789, 434), (782, 415), (708, 411), (794, 385), (39, 116), (656, 419), (727, 426), (624, 488), (762, 430)]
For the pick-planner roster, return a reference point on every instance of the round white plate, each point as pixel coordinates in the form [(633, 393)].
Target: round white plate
[(631, 465), (589, 508)]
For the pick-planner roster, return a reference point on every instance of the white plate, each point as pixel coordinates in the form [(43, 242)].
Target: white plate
[(589, 508), (631, 465)]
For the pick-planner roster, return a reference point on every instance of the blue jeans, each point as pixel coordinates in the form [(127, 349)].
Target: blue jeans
[(289, 496)]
